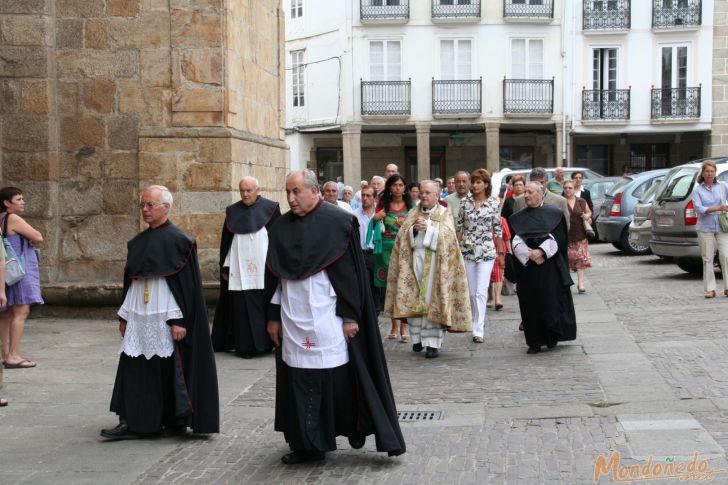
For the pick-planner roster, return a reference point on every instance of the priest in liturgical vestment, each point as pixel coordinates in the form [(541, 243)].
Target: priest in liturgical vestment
[(166, 380), (426, 283), (542, 272), (331, 374), (240, 318)]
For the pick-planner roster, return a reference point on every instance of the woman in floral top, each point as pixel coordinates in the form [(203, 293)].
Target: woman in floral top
[(479, 230), (392, 210)]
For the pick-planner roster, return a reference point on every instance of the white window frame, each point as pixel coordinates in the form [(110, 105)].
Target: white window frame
[(386, 76), (527, 63), (590, 66), (691, 60), (456, 75), (298, 78), (296, 9)]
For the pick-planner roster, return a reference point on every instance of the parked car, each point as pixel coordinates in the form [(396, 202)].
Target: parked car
[(500, 177), (598, 189), (616, 212), (674, 216), (640, 229)]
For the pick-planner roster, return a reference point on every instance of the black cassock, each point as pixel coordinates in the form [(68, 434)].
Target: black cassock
[(240, 318), (544, 295), (179, 390), (313, 406)]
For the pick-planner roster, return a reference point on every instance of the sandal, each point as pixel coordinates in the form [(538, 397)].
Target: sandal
[(404, 338), (498, 306), (3, 402), (478, 340), (23, 364), (392, 336)]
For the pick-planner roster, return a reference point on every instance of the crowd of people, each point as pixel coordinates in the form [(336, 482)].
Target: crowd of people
[(310, 284)]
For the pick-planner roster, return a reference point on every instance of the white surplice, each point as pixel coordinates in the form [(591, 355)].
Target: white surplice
[(246, 260)]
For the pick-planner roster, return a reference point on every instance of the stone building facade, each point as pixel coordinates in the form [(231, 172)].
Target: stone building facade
[(718, 139), (100, 98)]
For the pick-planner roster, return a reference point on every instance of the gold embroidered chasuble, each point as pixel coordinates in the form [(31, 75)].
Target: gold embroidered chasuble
[(449, 301)]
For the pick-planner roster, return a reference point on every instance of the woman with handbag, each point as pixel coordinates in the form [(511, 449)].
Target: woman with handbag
[(709, 199), (22, 238), (580, 215)]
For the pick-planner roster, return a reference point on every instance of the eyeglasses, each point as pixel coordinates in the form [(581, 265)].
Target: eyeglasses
[(149, 205)]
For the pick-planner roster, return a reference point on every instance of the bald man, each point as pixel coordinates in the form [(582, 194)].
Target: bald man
[(240, 318)]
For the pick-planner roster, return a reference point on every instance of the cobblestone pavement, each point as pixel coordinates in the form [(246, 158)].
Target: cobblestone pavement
[(647, 377)]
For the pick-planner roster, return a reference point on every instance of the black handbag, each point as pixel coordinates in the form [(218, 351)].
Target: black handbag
[(510, 270)]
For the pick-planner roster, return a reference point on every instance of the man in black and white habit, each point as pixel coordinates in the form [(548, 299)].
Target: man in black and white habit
[(542, 273), (331, 373), (166, 380), (240, 318)]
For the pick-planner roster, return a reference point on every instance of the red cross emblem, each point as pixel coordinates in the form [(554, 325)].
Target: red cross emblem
[(308, 344)]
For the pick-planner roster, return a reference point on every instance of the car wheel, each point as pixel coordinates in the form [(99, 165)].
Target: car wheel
[(630, 247), (690, 265), (618, 246)]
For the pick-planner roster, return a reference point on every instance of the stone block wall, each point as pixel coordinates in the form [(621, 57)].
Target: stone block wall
[(718, 139), (101, 98)]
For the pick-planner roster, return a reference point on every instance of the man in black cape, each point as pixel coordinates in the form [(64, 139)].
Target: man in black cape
[(331, 373), (166, 379), (542, 272), (240, 316)]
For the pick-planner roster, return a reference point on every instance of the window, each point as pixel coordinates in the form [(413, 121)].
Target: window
[(516, 157), (594, 157), (330, 163), (527, 58), (455, 59), (385, 60), (604, 69), (383, 3), (297, 79), (454, 2), (527, 2), (296, 9), (604, 5), (674, 71)]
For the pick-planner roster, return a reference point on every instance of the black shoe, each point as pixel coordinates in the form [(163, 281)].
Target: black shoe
[(121, 432), (431, 353), (533, 350), (296, 457), (246, 355), (170, 431), (520, 327), (357, 442), (417, 347), (551, 345)]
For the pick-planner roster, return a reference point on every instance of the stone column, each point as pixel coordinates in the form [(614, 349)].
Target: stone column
[(351, 138), (423, 151), (492, 146), (718, 139), (560, 158)]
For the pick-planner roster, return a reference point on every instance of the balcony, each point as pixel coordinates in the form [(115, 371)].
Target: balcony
[(384, 11), (669, 15), (455, 11), (606, 15), (457, 98), (528, 97), (605, 105), (386, 98), (528, 10), (675, 104)]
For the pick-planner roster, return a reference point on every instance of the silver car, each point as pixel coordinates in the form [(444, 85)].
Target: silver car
[(640, 229), (675, 217)]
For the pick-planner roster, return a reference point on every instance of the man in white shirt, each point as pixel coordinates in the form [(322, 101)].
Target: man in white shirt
[(331, 374), (462, 188), (331, 195), (364, 215)]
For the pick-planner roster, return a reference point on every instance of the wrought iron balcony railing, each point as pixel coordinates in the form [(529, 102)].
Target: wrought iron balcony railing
[(446, 9), (528, 8), (605, 104), (384, 10), (676, 103), (386, 97), (457, 97), (607, 15), (682, 13), (528, 95)]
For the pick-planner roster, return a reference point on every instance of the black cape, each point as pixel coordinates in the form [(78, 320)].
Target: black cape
[(328, 239), (169, 252), (240, 319), (544, 297)]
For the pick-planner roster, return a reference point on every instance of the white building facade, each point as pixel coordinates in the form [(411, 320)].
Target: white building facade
[(437, 86)]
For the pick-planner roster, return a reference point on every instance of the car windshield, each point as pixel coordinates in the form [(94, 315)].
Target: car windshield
[(600, 187), (679, 185), (650, 194), (619, 187)]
